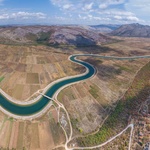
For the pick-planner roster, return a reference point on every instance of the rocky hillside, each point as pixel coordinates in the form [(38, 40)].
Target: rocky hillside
[(132, 30), (52, 35)]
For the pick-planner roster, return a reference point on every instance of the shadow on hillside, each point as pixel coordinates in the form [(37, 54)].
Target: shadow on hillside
[(104, 71)]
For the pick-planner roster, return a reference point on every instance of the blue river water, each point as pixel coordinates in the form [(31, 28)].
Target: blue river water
[(26, 110)]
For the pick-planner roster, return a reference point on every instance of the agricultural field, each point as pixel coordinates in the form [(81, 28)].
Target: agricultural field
[(95, 106), (25, 70), (43, 133)]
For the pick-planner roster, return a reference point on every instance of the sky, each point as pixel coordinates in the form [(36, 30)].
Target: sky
[(82, 12)]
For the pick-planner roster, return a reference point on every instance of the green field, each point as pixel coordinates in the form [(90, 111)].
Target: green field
[(1, 79)]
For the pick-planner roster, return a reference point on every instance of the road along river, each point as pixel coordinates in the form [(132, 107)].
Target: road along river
[(27, 110)]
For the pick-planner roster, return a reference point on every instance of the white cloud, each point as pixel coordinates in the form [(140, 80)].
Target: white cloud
[(60, 3), (103, 6), (118, 12), (85, 5), (118, 17), (115, 2), (67, 6), (22, 15), (92, 18), (4, 16), (27, 15), (139, 7), (105, 11), (127, 18), (107, 3), (88, 6), (133, 18)]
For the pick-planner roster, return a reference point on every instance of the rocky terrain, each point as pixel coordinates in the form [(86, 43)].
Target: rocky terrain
[(52, 35), (132, 30)]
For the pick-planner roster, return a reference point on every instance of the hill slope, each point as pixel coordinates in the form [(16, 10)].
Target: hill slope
[(126, 110), (132, 30), (52, 35)]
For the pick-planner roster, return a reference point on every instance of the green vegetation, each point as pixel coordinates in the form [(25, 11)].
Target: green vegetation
[(43, 38), (128, 105), (60, 96), (74, 123), (124, 68), (90, 117), (93, 91), (106, 131), (31, 37), (1, 79), (80, 130), (118, 71), (11, 119)]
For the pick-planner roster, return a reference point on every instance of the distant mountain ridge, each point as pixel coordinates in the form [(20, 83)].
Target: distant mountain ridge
[(105, 28), (52, 35), (132, 30)]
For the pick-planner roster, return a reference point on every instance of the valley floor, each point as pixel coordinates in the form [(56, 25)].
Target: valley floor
[(88, 103)]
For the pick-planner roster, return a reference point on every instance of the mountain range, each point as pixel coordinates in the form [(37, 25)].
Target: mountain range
[(105, 28), (132, 30), (52, 35), (70, 35)]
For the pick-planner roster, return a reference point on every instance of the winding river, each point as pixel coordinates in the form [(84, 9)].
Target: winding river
[(38, 106)]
